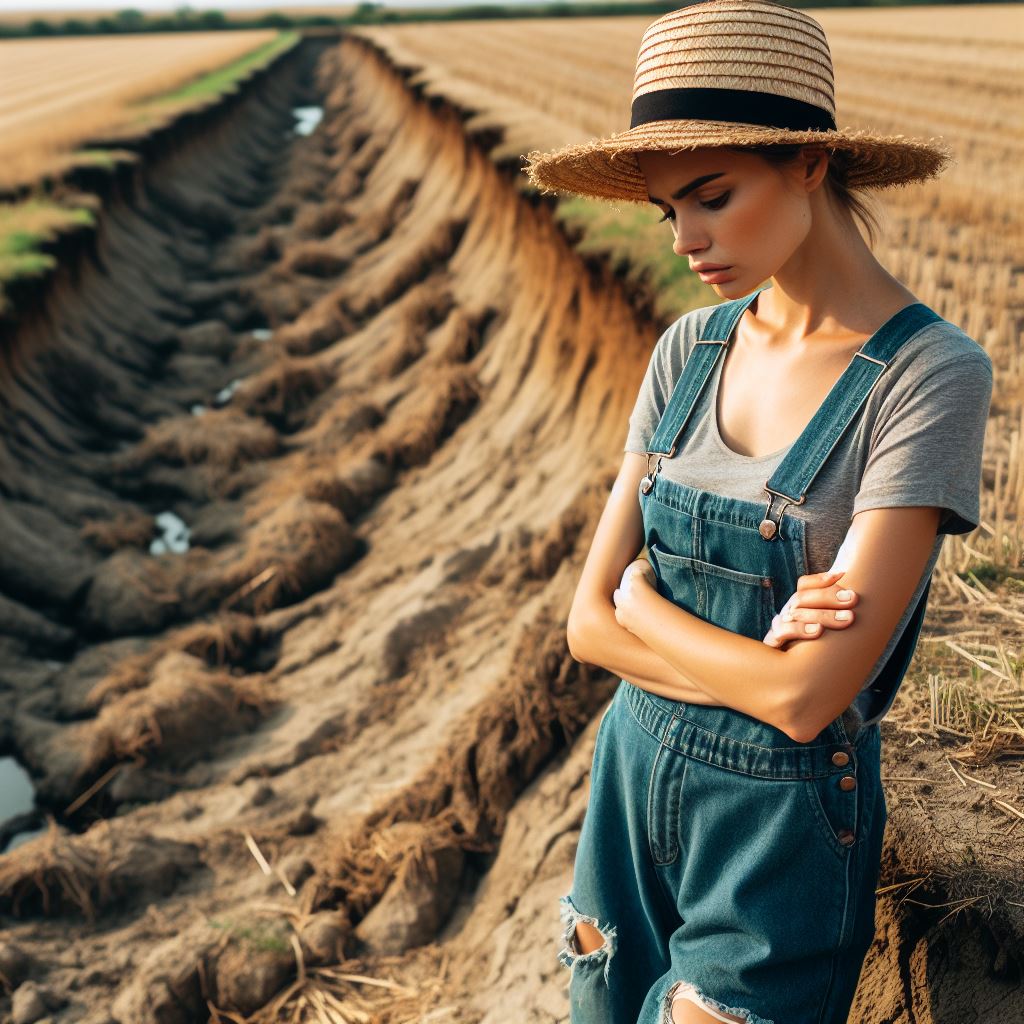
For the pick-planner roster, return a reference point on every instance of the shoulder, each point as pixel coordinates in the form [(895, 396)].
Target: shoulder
[(940, 348), (677, 340), (940, 367), (939, 383)]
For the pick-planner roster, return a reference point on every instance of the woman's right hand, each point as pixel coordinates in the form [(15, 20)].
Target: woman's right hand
[(816, 604)]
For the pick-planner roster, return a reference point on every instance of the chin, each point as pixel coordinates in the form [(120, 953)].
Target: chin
[(733, 289)]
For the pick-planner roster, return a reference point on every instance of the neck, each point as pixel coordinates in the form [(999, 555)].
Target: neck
[(832, 286)]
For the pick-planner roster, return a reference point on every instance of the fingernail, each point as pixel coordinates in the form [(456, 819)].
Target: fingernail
[(811, 627), (845, 595), (844, 615)]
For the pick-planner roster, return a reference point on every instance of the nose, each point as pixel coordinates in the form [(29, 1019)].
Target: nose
[(687, 241)]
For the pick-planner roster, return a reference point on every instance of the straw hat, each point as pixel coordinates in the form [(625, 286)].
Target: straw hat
[(731, 72)]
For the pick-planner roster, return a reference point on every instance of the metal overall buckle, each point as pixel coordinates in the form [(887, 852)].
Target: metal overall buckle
[(768, 527), (648, 481)]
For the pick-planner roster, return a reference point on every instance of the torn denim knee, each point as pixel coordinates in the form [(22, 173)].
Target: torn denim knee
[(686, 990), (569, 954)]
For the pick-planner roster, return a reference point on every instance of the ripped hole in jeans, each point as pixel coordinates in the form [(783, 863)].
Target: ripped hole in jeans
[(714, 1009), (570, 954)]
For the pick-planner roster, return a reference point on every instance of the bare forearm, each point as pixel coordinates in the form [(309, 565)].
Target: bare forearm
[(613, 647), (735, 671)]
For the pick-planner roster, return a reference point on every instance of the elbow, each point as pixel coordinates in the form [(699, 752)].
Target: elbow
[(581, 626), (807, 693), (574, 636), (798, 732), (801, 717), (798, 716)]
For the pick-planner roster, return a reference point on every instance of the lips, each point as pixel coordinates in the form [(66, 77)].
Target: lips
[(706, 268), (716, 276)]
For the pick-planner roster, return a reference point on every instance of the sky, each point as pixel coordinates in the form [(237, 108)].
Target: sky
[(200, 5)]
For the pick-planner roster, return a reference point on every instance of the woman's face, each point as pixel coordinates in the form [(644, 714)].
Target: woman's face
[(734, 209)]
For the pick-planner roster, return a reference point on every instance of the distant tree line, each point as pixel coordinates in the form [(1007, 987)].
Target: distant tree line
[(187, 19)]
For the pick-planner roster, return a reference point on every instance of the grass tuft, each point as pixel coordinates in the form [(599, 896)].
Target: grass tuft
[(641, 250)]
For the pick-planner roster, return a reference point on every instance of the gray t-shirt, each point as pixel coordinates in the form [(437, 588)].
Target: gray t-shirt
[(917, 440)]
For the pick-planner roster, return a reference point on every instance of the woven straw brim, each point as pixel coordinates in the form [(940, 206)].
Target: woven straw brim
[(608, 169)]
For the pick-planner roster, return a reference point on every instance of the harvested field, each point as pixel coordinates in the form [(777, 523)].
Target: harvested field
[(100, 79), (330, 753)]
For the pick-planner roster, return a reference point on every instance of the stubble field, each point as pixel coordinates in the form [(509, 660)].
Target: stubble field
[(56, 93)]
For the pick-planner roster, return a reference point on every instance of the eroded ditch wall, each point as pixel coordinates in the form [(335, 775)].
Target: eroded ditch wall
[(387, 400), (420, 383)]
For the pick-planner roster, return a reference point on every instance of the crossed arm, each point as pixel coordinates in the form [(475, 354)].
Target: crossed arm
[(661, 647)]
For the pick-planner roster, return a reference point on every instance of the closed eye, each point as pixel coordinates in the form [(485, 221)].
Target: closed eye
[(712, 204)]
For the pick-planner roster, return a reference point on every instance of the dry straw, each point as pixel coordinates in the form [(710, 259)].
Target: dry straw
[(731, 72)]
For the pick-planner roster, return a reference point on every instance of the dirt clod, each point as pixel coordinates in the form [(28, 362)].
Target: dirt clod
[(415, 904), (252, 967), (32, 1002)]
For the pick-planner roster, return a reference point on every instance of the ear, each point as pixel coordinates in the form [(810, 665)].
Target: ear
[(815, 166)]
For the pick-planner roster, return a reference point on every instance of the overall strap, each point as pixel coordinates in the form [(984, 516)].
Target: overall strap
[(795, 474), (688, 388)]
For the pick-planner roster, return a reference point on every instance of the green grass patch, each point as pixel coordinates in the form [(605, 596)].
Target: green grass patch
[(269, 936), (94, 157), (24, 227), (630, 236), (216, 82), (990, 574)]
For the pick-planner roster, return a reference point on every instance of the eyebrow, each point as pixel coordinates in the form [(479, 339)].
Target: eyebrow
[(696, 183)]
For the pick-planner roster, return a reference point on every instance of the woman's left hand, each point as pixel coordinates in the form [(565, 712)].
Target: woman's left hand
[(637, 583), (809, 611)]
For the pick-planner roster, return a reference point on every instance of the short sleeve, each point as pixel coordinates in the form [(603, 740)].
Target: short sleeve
[(663, 370), (927, 445)]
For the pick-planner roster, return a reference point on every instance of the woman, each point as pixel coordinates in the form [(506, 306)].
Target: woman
[(727, 864)]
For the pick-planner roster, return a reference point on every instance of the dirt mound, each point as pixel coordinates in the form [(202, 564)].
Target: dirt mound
[(100, 870)]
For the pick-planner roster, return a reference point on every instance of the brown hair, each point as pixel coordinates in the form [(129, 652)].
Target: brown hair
[(836, 179)]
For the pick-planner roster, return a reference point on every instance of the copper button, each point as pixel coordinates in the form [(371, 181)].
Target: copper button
[(848, 782), (846, 837), (840, 757)]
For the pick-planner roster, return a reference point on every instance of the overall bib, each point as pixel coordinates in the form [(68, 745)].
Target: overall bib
[(719, 856)]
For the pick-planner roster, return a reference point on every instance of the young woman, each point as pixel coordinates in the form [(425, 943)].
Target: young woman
[(727, 864)]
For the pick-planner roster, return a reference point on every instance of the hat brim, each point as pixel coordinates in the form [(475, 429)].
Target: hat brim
[(607, 168)]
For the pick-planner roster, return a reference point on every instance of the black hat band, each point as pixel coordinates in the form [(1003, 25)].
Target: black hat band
[(741, 105)]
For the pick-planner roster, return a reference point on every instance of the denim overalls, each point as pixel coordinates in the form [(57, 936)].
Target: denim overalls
[(717, 853)]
